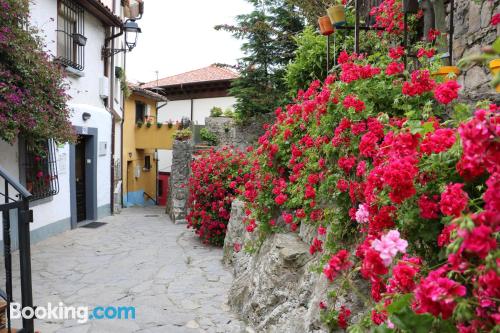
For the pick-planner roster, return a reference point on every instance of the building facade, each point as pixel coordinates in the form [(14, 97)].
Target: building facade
[(144, 135), (75, 34), (192, 95)]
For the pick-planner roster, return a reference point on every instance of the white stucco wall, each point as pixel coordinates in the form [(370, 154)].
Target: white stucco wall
[(164, 160), (175, 110), (85, 97)]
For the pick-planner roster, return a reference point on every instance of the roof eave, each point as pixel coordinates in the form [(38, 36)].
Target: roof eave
[(104, 14)]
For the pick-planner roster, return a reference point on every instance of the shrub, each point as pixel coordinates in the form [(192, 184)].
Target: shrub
[(183, 134), (403, 195), (228, 113), (216, 112), (208, 137), (32, 92), (216, 175)]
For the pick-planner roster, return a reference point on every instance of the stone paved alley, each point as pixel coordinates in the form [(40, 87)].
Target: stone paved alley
[(139, 258)]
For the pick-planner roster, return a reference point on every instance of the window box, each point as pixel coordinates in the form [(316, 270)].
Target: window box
[(79, 39)]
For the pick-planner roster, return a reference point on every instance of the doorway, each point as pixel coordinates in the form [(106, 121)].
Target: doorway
[(80, 177), (83, 176)]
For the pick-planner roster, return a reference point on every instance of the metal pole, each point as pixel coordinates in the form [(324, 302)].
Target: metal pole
[(450, 34), (7, 255), (25, 263), (405, 41), (327, 54), (334, 50), (356, 27)]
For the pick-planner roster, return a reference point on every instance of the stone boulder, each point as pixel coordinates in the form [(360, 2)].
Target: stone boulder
[(276, 289)]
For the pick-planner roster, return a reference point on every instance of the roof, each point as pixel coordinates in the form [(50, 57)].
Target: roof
[(102, 12), (208, 74), (147, 93)]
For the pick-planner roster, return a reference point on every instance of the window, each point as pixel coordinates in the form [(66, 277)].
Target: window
[(39, 169), (71, 38), (140, 112), (147, 163)]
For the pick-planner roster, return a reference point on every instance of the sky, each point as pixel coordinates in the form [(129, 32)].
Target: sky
[(179, 35)]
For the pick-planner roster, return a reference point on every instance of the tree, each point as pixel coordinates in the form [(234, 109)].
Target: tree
[(268, 33)]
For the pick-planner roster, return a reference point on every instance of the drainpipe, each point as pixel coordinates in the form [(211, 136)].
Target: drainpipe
[(112, 103), (121, 133)]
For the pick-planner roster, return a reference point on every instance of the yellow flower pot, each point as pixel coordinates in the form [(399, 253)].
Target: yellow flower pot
[(337, 15), (445, 71), (495, 68)]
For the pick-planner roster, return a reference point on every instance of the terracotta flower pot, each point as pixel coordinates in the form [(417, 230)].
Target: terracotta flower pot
[(325, 26), (337, 15), (495, 68), (444, 72)]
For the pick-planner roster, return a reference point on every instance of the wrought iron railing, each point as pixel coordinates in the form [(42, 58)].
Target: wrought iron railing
[(20, 201)]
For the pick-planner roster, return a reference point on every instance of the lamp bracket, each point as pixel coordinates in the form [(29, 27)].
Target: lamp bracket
[(109, 52)]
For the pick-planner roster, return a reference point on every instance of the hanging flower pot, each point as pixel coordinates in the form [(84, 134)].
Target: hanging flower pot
[(410, 6), (325, 26), (495, 69), (445, 71), (337, 15)]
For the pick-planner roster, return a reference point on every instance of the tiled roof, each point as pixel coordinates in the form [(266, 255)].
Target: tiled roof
[(102, 12), (147, 93), (207, 74)]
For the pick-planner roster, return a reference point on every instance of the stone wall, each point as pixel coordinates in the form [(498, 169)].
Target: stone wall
[(229, 133), (178, 191), (472, 32), (275, 289)]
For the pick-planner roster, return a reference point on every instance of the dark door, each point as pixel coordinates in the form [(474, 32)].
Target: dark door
[(81, 194)]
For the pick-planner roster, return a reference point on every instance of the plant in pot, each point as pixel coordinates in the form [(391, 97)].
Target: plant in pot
[(159, 125), (337, 14), (325, 25), (170, 124), (148, 124), (79, 39), (139, 124)]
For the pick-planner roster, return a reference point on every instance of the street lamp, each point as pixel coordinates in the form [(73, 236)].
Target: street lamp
[(131, 29)]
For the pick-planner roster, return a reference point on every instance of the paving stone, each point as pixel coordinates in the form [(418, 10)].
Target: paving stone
[(176, 283)]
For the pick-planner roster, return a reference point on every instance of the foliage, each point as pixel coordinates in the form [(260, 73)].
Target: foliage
[(215, 176), (216, 111), (124, 84), (208, 137), (159, 125), (139, 124), (310, 61), (32, 93), (402, 184), (183, 134), (268, 46), (228, 112)]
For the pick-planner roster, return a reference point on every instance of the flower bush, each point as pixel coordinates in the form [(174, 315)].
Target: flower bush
[(32, 94), (402, 183), (215, 178)]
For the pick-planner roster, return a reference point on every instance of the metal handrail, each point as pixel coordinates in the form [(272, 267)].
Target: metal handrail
[(24, 218), (150, 197), (25, 194)]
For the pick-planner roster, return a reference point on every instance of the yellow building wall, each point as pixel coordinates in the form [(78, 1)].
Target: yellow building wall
[(134, 154)]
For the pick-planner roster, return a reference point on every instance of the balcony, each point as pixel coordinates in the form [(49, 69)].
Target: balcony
[(154, 137)]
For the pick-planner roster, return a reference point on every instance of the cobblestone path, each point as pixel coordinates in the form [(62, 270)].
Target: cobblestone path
[(141, 259)]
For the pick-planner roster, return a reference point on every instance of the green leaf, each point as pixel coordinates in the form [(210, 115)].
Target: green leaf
[(412, 322), (496, 45), (381, 329), (400, 303), (446, 326)]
